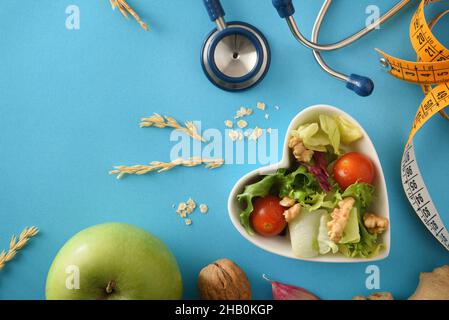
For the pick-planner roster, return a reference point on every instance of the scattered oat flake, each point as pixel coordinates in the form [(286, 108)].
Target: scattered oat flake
[(229, 123), (181, 207), (187, 208), (255, 134), (267, 116), (203, 208), (261, 105), (191, 203), (242, 124), (243, 112), (276, 107), (235, 135)]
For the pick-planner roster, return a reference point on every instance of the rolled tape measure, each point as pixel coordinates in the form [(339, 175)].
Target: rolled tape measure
[(431, 71)]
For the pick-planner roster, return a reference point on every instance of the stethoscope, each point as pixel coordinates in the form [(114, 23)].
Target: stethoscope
[(236, 55)]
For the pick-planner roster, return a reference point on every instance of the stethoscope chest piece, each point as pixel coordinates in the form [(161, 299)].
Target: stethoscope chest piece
[(235, 56)]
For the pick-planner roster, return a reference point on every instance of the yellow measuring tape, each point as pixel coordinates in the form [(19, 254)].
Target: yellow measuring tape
[(431, 71)]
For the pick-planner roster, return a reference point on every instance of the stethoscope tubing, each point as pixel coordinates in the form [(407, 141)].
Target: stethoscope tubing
[(347, 41), (361, 85), (316, 30), (317, 54), (317, 48)]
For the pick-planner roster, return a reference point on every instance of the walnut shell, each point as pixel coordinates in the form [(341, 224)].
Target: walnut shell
[(433, 285), (223, 280)]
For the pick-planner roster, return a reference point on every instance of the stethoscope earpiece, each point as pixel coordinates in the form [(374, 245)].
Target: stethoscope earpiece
[(361, 85)]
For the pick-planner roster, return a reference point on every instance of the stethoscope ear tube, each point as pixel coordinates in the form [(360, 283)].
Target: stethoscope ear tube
[(214, 9), (363, 86), (285, 8)]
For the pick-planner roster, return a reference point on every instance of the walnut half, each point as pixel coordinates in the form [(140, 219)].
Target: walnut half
[(374, 223), (223, 280), (291, 213), (287, 202), (340, 217), (301, 153)]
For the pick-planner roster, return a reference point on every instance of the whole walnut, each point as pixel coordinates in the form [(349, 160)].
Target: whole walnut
[(433, 285), (223, 280)]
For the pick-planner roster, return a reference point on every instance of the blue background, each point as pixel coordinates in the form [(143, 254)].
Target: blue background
[(70, 103)]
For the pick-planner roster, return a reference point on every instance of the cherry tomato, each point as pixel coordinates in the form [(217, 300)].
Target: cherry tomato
[(267, 217), (353, 167)]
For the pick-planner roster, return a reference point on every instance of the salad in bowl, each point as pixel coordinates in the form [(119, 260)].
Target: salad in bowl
[(325, 201)]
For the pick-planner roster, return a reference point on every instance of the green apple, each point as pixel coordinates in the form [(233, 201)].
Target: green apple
[(114, 261)]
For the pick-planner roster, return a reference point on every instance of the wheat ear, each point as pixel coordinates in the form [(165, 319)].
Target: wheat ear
[(17, 244), (125, 8), (158, 166), (158, 121)]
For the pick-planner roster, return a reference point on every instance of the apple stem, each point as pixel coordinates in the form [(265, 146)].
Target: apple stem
[(110, 287)]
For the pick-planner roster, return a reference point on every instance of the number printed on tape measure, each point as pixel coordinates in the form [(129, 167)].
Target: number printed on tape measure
[(435, 101), (419, 197), (418, 72), (432, 66)]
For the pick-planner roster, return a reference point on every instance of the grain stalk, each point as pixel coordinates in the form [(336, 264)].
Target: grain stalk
[(125, 8), (17, 244), (159, 121), (158, 166)]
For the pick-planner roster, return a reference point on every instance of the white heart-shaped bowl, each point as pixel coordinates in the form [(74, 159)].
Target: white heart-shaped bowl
[(281, 245)]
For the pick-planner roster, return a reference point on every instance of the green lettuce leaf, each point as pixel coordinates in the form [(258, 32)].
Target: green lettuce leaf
[(351, 232), (298, 185), (305, 190), (330, 127), (304, 233), (325, 244), (349, 132), (367, 247), (363, 193), (317, 201), (258, 189), (328, 131), (312, 137), (306, 131), (318, 142), (312, 197)]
